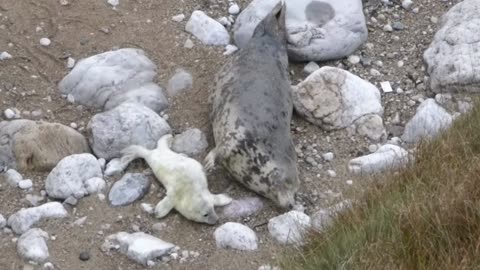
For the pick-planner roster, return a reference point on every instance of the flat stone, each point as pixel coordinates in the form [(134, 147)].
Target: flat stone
[(131, 187), (125, 125), (387, 157), (235, 236), (243, 207), (24, 219), (139, 246), (70, 177)]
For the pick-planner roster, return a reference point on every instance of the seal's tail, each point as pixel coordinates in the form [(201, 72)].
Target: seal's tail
[(274, 23)]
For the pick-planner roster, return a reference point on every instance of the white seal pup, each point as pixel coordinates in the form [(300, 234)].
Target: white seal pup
[(251, 109), (183, 178)]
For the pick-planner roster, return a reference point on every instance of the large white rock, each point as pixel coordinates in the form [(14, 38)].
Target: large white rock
[(191, 142), (236, 236), (334, 98), (429, 120), (387, 157), (24, 219), (207, 30), (127, 124), (249, 19), (32, 246), (453, 58), (139, 246), (71, 177), (324, 30), (289, 228), (106, 80)]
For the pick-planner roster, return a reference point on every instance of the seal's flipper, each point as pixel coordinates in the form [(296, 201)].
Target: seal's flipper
[(221, 199), (274, 24), (163, 207), (165, 142), (210, 160), (131, 153)]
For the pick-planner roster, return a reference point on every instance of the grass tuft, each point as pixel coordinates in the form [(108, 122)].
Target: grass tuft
[(425, 217)]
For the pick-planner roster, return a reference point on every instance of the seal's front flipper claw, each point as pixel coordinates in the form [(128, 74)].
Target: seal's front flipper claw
[(163, 207), (210, 160)]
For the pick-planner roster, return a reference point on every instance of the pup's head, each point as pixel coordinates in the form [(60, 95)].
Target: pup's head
[(198, 208), (284, 185)]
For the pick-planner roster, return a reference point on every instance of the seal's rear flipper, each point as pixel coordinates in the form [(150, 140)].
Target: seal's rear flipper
[(274, 23)]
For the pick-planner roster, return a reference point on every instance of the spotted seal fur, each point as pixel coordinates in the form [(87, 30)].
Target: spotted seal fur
[(251, 109)]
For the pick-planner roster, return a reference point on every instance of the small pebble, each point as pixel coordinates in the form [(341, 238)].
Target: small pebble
[(5, 56), (328, 156), (372, 148), (84, 256), (25, 184), (387, 28), (354, 59), (45, 42), (375, 72), (188, 44), (178, 18), (230, 49), (434, 19), (70, 62), (234, 9), (349, 182), (9, 113), (407, 4), (331, 173), (70, 98), (74, 125), (398, 26)]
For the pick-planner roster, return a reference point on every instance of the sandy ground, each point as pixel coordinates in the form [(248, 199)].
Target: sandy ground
[(86, 27)]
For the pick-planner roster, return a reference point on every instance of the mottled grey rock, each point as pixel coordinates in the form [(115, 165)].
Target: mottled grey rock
[(127, 124), (333, 98), (24, 219), (429, 120), (70, 177), (207, 30), (180, 82), (131, 187), (453, 58), (387, 157), (139, 246), (235, 236), (191, 142), (106, 80), (289, 228), (28, 146), (32, 246), (243, 207), (249, 19), (324, 30)]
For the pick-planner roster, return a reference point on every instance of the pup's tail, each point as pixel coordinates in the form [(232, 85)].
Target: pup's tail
[(133, 152)]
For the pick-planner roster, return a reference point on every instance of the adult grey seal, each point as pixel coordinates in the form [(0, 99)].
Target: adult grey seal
[(251, 110)]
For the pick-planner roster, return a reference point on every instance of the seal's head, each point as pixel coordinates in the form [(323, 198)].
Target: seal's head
[(198, 208), (284, 186)]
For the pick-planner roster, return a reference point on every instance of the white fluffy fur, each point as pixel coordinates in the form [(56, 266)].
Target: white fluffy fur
[(183, 178)]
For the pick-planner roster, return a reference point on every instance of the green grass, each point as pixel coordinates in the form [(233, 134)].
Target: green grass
[(424, 217)]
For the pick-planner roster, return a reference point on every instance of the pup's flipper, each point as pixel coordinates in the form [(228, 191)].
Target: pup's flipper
[(221, 199), (163, 207), (210, 160)]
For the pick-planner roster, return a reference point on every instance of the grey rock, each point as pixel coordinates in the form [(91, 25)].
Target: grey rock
[(25, 184), (139, 246), (131, 187), (323, 218), (249, 19), (108, 79), (310, 68), (34, 200), (127, 124), (452, 57), (32, 246), (289, 228), (398, 26), (191, 142), (71, 175), (206, 29), (71, 201), (243, 207), (429, 120), (235, 236), (333, 98), (180, 82), (387, 157), (24, 219), (324, 30)]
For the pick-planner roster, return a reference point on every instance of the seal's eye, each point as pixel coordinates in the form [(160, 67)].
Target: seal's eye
[(206, 215)]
